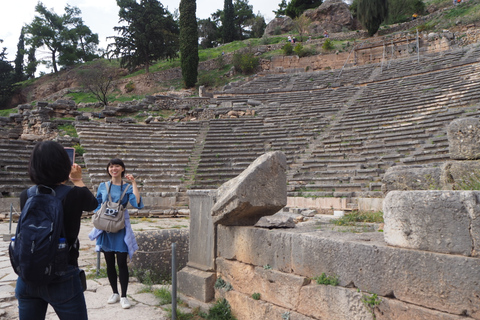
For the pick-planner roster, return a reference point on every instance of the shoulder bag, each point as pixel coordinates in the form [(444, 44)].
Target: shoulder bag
[(111, 215)]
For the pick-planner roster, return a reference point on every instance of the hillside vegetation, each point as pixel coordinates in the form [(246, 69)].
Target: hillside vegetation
[(165, 77)]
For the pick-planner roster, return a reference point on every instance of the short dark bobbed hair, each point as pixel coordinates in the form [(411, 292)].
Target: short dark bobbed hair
[(49, 164), (119, 162)]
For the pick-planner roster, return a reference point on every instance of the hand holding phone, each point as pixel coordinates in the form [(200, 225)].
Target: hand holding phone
[(71, 155)]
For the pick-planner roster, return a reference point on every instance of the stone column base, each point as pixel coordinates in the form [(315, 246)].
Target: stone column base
[(197, 284)]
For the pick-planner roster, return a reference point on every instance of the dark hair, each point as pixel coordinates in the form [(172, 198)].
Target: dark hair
[(49, 164), (116, 161)]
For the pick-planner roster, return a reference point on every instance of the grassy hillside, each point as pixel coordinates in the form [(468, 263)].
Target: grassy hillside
[(136, 84)]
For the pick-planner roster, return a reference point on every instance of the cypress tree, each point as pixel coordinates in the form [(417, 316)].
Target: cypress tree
[(188, 42), (371, 14), (228, 21), (19, 57)]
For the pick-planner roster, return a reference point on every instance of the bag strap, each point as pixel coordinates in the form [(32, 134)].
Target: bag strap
[(123, 193)]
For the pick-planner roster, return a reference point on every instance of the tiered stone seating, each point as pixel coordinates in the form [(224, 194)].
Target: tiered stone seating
[(340, 129), (232, 144), (14, 158), (399, 121), (156, 154)]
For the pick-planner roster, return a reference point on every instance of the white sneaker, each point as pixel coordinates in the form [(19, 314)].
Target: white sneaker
[(114, 298), (125, 303)]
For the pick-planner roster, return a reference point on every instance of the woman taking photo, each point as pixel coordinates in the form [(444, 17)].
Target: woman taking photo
[(49, 169), (117, 246)]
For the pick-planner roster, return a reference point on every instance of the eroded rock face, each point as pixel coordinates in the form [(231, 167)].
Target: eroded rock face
[(282, 24), (332, 15), (260, 190), (464, 139)]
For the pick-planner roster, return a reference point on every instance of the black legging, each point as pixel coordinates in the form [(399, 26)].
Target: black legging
[(122, 270)]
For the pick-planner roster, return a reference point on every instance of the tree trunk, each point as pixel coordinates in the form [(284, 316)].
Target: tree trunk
[(54, 61)]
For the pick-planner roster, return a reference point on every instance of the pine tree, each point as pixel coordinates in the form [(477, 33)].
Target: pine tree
[(371, 14), (148, 33), (65, 36), (188, 42)]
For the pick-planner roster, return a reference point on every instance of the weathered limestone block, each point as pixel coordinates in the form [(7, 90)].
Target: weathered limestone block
[(389, 309), (279, 288), (260, 190), (333, 303), (197, 283), (460, 175), (246, 308), (464, 138), (155, 250), (202, 231), (436, 281), (438, 221), (276, 221), (415, 177)]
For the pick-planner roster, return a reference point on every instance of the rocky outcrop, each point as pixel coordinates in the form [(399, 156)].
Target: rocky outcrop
[(278, 26), (332, 16)]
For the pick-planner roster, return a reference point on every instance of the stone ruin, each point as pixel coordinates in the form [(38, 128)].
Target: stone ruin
[(424, 265)]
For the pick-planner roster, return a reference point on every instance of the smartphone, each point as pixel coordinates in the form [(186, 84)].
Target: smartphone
[(71, 155)]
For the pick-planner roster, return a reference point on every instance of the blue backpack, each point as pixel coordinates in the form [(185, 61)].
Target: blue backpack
[(39, 252)]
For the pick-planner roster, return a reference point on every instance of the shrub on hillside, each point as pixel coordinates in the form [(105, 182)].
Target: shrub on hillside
[(287, 49), (328, 45), (245, 63), (302, 51)]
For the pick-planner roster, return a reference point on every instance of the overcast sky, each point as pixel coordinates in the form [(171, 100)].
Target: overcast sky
[(99, 15)]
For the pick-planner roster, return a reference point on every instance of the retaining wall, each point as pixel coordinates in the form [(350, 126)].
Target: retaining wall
[(279, 264)]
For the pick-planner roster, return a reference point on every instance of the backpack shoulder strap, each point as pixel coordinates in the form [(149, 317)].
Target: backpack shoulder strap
[(32, 191)]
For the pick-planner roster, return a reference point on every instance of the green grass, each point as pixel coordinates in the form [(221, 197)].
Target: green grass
[(6, 112), (164, 295), (84, 97), (351, 219), (68, 129)]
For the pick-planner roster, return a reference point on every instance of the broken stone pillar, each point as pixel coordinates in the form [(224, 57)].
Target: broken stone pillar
[(260, 190), (197, 279), (438, 221)]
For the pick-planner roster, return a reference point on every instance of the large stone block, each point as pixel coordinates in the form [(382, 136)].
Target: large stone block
[(415, 177), (333, 303), (439, 221), (197, 284), (246, 308), (461, 175), (464, 138), (390, 309), (438, 281), (279, 288), (155, 250), (260, 190)]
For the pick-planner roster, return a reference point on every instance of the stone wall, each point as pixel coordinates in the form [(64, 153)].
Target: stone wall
[(424, 264), (366, 52)]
